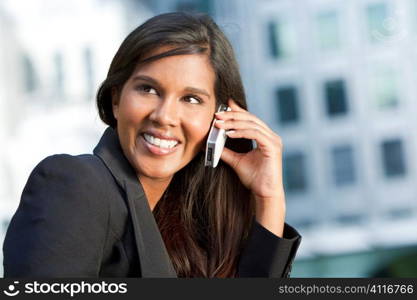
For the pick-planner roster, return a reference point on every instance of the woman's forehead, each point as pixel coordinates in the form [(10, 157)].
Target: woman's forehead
[(196, 63), (190, 70)]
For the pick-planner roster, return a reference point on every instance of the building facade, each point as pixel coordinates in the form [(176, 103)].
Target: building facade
[(335, 79)]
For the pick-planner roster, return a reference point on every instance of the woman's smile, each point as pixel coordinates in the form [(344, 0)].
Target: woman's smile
[(159, 144)]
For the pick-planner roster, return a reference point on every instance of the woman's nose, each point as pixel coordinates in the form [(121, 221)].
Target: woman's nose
[(165, 113)]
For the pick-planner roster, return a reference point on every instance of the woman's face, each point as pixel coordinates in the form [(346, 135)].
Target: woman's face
[(164, 112)]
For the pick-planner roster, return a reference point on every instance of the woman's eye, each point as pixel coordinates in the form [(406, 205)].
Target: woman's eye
[(192, 99), (147, 89)]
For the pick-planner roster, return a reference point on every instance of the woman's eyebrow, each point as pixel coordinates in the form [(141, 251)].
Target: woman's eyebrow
[(194, 90), (188, 89), (146, 78)]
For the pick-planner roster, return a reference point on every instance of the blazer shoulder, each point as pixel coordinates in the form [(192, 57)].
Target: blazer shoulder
[(80, 165), (63, 177), (61, 225), (79, 181), (83, 181)]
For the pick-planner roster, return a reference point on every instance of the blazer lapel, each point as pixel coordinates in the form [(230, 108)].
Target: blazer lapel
[(154, 259)]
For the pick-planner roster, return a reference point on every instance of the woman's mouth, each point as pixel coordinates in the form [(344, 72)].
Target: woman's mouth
[(159, 146)]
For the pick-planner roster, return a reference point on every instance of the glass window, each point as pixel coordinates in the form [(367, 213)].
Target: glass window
[(59, 73), (384, 87), (281, 37), (400, 213), (89, 74), (5, 224), (343, 165), (335, 95), (196, 6), (30, 81), (350, 219), (413, 14), (393, 158), (305, 223), (294, 172), (273, 40), (287, 104), (328, 31), (378, 22)]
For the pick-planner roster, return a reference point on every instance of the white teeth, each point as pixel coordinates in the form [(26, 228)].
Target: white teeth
[(161, 143)]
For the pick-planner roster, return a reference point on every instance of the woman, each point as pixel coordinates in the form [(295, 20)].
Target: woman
[(144, 205)]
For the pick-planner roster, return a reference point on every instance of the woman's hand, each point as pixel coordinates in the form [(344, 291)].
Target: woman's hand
[(260, 170)]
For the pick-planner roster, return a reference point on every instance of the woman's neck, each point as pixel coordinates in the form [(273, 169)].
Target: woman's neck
[(154, 188)]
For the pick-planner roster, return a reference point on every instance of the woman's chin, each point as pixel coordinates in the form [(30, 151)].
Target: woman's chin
[(157, 172), (159, 176)]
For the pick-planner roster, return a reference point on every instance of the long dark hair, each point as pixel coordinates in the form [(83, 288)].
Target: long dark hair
[(205, 214)]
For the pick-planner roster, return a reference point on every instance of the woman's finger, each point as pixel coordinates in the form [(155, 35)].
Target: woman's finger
[(240, 113), (234, 106), (242, 116), (264, 142), (241, 124)]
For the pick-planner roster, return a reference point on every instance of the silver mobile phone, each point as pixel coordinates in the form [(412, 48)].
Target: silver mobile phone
[(215, 142)]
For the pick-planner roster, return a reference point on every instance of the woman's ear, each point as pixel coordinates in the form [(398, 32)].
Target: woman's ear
[(115, 102)]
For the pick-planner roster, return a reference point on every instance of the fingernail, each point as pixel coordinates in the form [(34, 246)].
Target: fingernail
[(230, 131), (219, 121), (219, 112)]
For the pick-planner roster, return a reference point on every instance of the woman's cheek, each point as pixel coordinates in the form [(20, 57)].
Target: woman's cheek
[(136, 110), (201, 126)]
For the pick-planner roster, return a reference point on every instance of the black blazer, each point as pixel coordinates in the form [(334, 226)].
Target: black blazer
[(87, 216)]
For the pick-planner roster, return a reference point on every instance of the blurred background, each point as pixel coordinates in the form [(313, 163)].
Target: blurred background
[(335, 79)]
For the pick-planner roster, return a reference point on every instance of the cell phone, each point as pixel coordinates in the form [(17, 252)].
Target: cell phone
[(215, 142)]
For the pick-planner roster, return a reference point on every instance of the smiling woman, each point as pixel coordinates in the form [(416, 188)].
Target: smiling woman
[(143, 204)]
